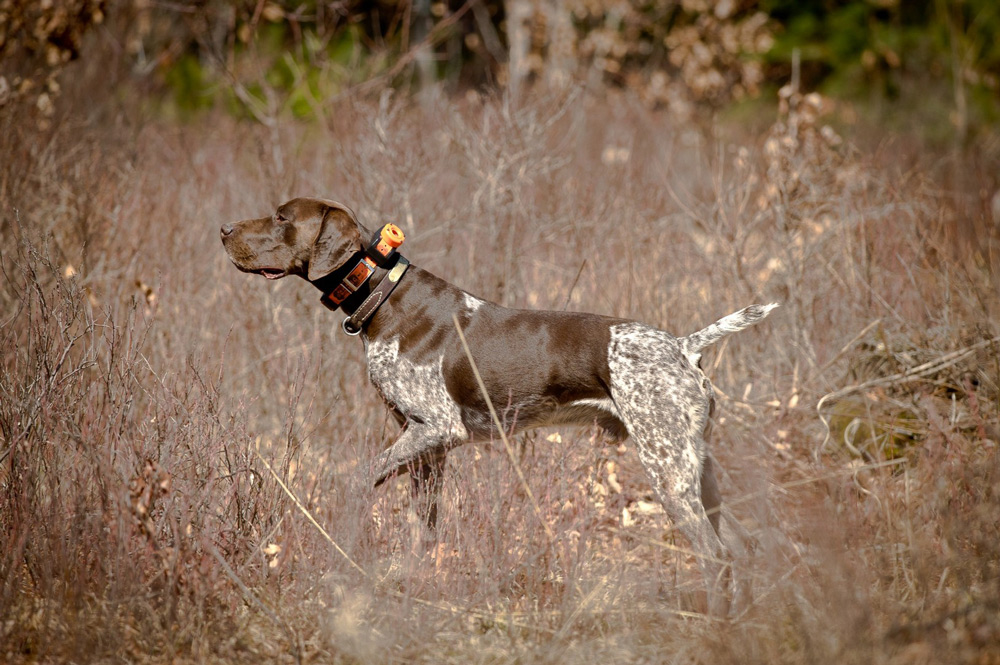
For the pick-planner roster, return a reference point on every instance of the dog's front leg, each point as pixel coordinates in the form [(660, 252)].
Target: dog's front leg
[(421, 451), (425, 494), (418, 444)]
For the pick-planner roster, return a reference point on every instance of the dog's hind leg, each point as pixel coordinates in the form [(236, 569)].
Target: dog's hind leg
[(743, 546), (677, 482), (734, 536)]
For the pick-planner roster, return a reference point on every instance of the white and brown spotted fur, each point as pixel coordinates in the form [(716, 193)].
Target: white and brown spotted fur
[(540, 368)]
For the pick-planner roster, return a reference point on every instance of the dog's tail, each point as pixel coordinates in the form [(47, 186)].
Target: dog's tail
[(727, 325)]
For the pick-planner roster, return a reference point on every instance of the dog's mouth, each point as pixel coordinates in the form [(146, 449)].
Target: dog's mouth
[(271, 273)]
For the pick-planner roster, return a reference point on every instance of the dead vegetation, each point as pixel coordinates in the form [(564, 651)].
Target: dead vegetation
[(151, 397)]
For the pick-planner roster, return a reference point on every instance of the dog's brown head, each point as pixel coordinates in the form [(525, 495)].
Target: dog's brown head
[(306, 237)]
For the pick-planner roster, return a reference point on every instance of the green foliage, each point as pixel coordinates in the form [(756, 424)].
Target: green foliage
[(301, 74), (872, 432), (937, 58), (851, 48), (190, 85)]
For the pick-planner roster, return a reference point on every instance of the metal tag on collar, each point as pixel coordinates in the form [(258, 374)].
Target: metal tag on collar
[(397, 270)]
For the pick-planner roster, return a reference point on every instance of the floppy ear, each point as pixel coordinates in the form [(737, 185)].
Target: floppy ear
[(339, 237)]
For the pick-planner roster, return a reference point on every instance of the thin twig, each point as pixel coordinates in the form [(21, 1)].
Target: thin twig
[(439, 28), (911, 374), (250, 596), (302, 508), (569, 296), (845, 349), (497, 617), (503, 435)]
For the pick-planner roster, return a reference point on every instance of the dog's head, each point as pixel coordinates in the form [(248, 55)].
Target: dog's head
[(306, 237)]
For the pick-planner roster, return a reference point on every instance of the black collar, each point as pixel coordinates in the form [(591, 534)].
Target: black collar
[(345, 281), (349, 287)]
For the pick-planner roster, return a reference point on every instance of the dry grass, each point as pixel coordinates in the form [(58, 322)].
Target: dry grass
[(146, 388)]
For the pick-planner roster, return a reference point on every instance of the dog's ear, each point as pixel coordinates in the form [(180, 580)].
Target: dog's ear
[(338, 239)]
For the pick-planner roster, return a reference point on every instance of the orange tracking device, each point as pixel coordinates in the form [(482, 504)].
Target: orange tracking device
[(382, 248)]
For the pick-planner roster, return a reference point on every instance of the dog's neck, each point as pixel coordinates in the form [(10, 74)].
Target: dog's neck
[(380, 277), (409, 309)]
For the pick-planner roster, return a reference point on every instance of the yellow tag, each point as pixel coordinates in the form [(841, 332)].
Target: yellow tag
[(397, 272)]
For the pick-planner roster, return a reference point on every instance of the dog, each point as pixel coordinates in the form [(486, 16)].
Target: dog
[(545, 367)]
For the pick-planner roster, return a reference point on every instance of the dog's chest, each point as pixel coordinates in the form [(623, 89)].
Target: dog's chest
[(416, 391)]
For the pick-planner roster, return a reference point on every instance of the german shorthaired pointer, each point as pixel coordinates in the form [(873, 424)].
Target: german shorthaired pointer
[(543, 368)]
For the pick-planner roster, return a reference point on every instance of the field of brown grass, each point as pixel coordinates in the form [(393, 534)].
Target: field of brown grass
[(155, 403)]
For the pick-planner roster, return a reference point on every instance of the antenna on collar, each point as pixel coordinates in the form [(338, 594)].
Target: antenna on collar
[(382, 247)]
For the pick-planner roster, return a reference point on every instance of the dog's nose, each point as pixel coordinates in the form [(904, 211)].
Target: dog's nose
[(226, 230)]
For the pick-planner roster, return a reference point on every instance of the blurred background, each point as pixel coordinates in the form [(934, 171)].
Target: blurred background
[(179, 441), (928, 63)]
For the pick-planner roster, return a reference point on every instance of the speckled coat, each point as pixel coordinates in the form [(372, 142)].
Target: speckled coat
[(539, 368)]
